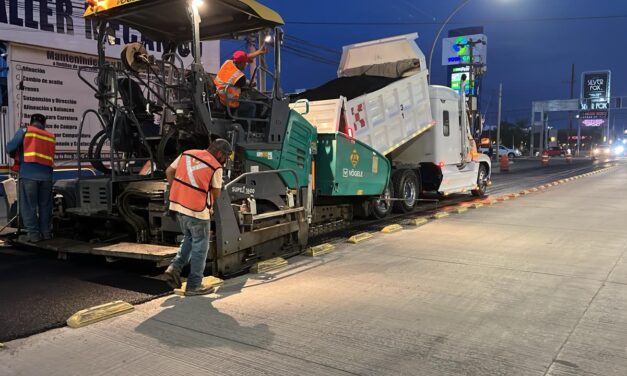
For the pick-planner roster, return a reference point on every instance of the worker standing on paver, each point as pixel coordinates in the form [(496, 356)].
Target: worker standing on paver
[(32, 149), (231, 79), (195, 180)]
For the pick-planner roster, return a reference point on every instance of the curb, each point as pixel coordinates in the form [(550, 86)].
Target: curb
[(391, 228), (98, 313), (267, 265), (210, 280), (319, 250), (439, 215), (418, 221), (359, 238)]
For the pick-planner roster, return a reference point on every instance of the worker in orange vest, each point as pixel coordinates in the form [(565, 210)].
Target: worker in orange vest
[(32, 149), (195, 180), (231, 79)]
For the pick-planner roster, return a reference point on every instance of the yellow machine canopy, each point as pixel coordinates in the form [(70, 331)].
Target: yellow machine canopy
[(168, 20)]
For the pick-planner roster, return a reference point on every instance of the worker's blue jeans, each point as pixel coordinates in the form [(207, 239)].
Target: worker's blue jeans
[(35, 206), (194, 248)]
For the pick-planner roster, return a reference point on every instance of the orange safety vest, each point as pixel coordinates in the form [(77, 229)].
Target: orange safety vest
[(192, 181), (225, 83), (39, 146)]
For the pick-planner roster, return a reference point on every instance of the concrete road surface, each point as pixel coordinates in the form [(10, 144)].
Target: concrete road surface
[(533, 286)]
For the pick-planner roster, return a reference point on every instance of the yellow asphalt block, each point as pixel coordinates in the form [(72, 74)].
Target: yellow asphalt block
[(514, 195), (1, 345), (206, 281), (475, 205), (319, 250), (502, 198), (268, 265), (418, 221), (391, 228), (534, 189), (99, 313), (439, 215), (488, 201), (460, 210), (359, 238)]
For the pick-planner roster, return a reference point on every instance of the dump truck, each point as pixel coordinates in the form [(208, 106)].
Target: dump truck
[(382, 97)]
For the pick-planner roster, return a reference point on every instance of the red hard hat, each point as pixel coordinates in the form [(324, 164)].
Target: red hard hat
[(240, 57)]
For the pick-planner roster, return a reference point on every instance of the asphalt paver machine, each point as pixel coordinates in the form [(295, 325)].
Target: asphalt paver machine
[(153, 108), (284, 180)]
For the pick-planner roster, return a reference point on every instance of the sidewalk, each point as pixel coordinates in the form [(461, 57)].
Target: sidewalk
[(546, 294)]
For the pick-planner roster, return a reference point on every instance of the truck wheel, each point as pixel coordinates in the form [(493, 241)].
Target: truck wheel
[(482, 182), (382, 206), (405, 183)]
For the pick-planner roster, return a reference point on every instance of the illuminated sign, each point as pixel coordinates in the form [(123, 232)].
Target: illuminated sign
[(595, 98), (456, 80), (593, 118), (467, 49)]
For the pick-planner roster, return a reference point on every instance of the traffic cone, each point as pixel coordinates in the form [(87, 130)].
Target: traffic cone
[(504, 163), (569, 158), (545, 159)]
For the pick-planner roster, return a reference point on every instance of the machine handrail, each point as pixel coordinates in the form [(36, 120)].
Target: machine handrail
[(246, 174)]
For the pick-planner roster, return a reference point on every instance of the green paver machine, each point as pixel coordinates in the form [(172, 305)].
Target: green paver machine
[(282, 179)]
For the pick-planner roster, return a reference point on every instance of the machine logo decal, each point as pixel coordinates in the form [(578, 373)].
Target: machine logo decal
[(354, 158), (359, 116)]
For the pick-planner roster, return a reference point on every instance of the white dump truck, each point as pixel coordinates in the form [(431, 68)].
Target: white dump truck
[(382, 98)]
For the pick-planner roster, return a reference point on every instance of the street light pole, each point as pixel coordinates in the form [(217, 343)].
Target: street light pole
[(437, 36), (498, 124)]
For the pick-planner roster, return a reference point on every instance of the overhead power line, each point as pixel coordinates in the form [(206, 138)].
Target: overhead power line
[(308, 55), (311, 44), (485, 21)]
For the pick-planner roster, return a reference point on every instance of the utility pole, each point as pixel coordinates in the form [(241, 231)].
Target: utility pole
[(572, 93), (498, 123)]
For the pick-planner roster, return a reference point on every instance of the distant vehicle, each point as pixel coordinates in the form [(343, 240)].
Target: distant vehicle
[(601, 151), (555, 151), (511, 153), (619, 150)]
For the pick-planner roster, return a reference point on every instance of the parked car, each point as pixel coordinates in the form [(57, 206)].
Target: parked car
[(555, 151), (511, 153)]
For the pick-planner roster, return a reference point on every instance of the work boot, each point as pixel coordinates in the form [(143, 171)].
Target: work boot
[(47, 236), (173, 277), (200, 290)]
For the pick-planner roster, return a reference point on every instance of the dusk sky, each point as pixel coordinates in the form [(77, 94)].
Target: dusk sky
[(531, 43)]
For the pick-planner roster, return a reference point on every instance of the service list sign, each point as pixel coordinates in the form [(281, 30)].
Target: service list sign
[(46, 81)]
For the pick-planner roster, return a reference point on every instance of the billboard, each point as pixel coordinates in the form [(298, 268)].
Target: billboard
[(456, 79), (60, 23), (595, 98), (466, 49), (593, 118)]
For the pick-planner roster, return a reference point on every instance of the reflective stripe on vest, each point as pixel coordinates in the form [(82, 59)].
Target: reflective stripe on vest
[(39, 146), (192, 181), (226, 78)]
